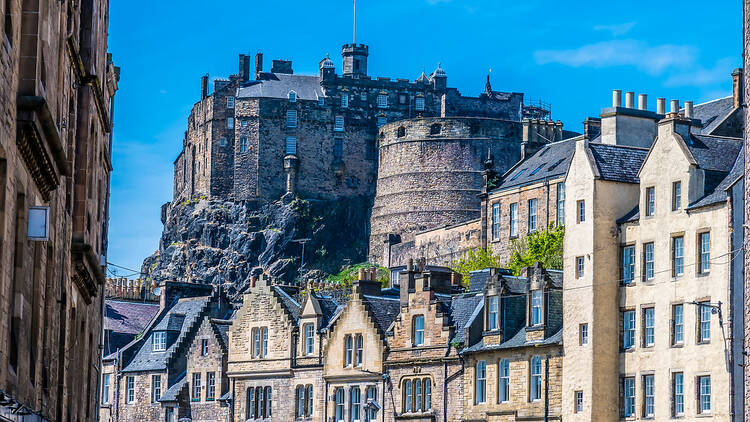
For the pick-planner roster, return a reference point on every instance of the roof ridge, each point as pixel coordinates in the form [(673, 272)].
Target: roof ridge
[(712, 101), (620, 146)]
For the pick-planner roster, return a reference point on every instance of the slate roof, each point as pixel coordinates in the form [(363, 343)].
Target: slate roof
[(124, 320), (556, 278), (146, 359), (518, 340), (278, 85), (712, 113), (462, 308), (617, 163), (221, 329), (715, 153), (291, 304), (331, 304), (719, 194), (172, 392), (550, 162), (517, 285), (478, 280), (385, 309)]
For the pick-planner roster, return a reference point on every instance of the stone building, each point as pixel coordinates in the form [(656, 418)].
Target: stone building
[(149, 376), (57, 84), (646, 268), (743, 187), (513, 361)]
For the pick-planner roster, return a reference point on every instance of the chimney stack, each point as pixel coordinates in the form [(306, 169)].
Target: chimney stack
[(204, 86), (244, 68), (630, 99), (642, 102), (258, 65), (616, 98), (661, 105), (738, 87), (592, 127), (689, 109), (674, 106)]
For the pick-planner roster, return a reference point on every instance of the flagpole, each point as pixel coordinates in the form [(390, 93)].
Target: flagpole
[(354, 29)]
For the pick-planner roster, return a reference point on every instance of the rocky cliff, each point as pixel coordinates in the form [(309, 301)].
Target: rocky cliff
[(211, 241)]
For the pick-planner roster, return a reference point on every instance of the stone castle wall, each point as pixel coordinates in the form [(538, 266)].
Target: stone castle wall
[(430, 173)]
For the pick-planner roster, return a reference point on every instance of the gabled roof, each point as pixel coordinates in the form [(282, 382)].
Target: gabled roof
[(220, 328), (123, 320), (462, 308), (289, 303), (384, 310), (278, 85), (714, 153), (712, 113), (172, 393), (550, 162), (719, 194), (617, 163)]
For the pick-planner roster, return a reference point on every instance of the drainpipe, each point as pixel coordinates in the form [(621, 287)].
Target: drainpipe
[(546, 389), (231, 402), (382, 408), (445, 390), (325, 403)]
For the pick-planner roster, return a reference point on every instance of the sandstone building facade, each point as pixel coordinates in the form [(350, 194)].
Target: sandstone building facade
[(57, 84)]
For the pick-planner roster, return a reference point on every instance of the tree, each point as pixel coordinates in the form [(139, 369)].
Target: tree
[(349, 274), (541, 246), (475, 259)]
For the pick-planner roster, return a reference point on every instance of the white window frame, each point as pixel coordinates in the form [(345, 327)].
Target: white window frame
[(678, 324), (650, 201), (503, 391), (382, 101), (678, 394), (493, 317), (581, 211), (418, 338), (210, 386), (583, 334), (649, 321), (678, 256), (480, 382), (532, 215), (628, 392), (535, 377), (513, 211), (628, 264), (561, 204), (536, 308), (628, 329), (155, 388), (676, 195), (106, 379), (496, 221), (230, 122), (344, 100), (704, 394), (130, 389), (291, 119), (648, 396), (419, 104), (338, 124), (309, 339), (292, 96), (230, 102), (704, 257), (159, 341), (580, 267), (648, 261), (704, 322)]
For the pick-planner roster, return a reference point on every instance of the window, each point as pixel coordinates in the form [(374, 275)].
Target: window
[(256, 342), (676, 196), (503, 393), (363, 96), (648, 261), (382, 101), (419, 103), (493, 322), (338, 148), (648, 327), (348, 349), (517, 175), (321, 101), (309, 339), (583, 334), (648, 396), (409, 399), (340, 406), (480, 382), (230, 102), (301, 402), (155, 388), (250, 407), (536, 307), (628, 264), (291, 119), (309, 396), (704, 259), (677, 256), (628, 329), (222, 142), (579, 401), (358, 344), (495, 221), (402, 98), (291, 145), (292, 97), (435, 129), (427, 394), (130, 389), (536, 170), (536, 378), (628, 393), (704, 322), (243, 144), (704, 394), (243, 123), (338, 124), (230, 122), (532, 215), (264, 349), (267, 407), (401, 132), (210, 385), (372, 393), (514, 219), (561, 204), (382, 121), (580, 267), (344, 100), (159, 341), (204, 347), (678, 394), (417, 395), (418, 334), (581, 209), (196, 387), (677, 324), (650, 201), (356, 404), (105, 388)]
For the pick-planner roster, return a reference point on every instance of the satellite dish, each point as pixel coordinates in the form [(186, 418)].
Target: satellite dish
[(157, 291)]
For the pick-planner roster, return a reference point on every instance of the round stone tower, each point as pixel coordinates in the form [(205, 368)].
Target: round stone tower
[(430, 174)]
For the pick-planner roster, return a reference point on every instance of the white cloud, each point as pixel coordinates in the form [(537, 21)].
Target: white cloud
[(700, 76), (653, 60), (617, 29)]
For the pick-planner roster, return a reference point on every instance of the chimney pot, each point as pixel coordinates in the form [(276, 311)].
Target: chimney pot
[(674, 106), (258, 65), (630, 99), (661, 105), (738, 82), (204, 87), (642, 102), (689, 109), (616, 98)]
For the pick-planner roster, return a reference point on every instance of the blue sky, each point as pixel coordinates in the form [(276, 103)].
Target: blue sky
[(568, 53)]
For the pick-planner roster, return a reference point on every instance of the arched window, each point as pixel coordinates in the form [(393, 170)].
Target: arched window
[(300, 396), (250, 403), (401, 132), (408, 398), (417, 395), (292, 96), (358, 350), (427, 394)]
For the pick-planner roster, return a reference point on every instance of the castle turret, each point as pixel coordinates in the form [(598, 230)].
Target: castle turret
[(439, 79), (355, 59), (327, 68)]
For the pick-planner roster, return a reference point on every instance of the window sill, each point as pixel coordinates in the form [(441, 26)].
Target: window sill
[(628, 350), (210, 399), (195, 400), (704, 274), (538, 327), (631, 284), (704, 415), (700, 343), (513, 236), (677, 346)]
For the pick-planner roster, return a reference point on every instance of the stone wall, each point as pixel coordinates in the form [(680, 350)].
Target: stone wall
[(746, 95), (143, 408), (207, 409), (440, 246)]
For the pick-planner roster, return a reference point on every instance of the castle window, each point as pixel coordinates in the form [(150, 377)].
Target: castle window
[(159, 341), (230, 122), (382, 101), (196, 395), (418, 330), (291, 145), (291, 119), (496, 221), (230, 102), (363, 96), (382, 121), (210, 386), (435, 129), (503, 395), (536, 378), (309, 339), (344, 100), (401, 132), (480, 382), (358, 345), (130, 389), (338, 149), (493, 320), (292, 97), (402, 98), (419, 104), (223, 142), (536, 307), (243, 144), (338, 124), (348, 349), (340, 406), (204, 347)]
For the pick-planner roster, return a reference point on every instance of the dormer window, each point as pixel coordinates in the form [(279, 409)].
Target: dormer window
[(493, 320), (536, 307), (309, 339), (292, 97), (418, 330), (159, 341)]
